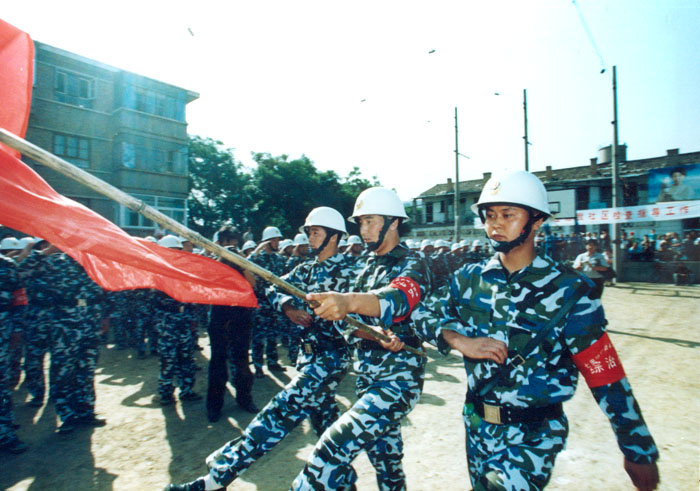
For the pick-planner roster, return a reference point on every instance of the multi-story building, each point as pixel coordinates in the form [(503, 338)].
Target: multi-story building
[(569, 190), (124, 128)]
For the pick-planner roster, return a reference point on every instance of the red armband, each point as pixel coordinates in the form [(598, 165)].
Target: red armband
[(409, 288), (599, 363), (19, 297)]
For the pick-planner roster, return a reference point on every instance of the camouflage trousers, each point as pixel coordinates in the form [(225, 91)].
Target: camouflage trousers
[(310, 394), (7, 432), (372, 424), (38, 343), (505, 457), (74, 354), (266, 328), (176, 352)]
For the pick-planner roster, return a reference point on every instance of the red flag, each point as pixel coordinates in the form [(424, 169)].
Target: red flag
[(16, 54), (109, 255)]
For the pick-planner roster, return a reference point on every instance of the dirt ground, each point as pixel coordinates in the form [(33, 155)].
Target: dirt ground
[(655, 328)]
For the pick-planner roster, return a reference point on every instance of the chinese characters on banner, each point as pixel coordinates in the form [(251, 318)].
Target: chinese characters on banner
[(631, 214)]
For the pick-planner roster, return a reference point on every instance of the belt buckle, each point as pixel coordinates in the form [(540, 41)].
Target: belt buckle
[(82, 302), (492, 414), (517, 361), (308, 349)]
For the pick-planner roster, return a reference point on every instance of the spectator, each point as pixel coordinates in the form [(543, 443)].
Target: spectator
[(593, 264)]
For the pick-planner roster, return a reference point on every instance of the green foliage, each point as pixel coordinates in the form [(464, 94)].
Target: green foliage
[(218, 187), (278, 191)]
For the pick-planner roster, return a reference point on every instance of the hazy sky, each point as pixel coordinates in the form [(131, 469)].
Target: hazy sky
[(374, 84)]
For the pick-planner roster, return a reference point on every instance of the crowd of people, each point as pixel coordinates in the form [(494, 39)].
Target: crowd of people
[(483, 299)]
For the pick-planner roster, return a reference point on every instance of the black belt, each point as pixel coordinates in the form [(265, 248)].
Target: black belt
[(513, 415), (317, 347)]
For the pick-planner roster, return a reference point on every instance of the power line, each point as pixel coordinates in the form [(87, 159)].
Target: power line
[(590, 36)]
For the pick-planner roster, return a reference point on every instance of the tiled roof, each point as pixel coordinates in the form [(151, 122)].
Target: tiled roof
[(577, 174)]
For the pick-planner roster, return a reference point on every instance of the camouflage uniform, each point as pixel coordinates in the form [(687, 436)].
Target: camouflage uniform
[(483, 300), (266, 320), (37, 332), (294, 332), (61, 285), (9, 286), (146, 319), (124, 319), (175, 346), (388, 385), (321, 365), (440, 269)]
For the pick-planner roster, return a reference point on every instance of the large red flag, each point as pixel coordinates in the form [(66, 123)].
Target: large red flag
[(109, 255)]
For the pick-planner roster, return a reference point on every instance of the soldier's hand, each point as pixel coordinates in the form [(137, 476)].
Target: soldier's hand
[(394, 345), (298, 317), (477, 348), (645, 477), (330, 305)]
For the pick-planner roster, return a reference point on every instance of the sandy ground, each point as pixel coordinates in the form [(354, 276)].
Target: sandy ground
[(654, 327)]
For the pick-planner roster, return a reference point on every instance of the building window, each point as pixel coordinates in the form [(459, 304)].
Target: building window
[(72, 148), (175, 208), (142, 156), (428, 213), (152, 102), (74, 89)]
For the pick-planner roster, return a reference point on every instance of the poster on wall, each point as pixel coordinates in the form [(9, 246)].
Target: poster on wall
[(681, 183)]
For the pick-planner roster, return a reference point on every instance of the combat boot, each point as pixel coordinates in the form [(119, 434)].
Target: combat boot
[(196, 485)]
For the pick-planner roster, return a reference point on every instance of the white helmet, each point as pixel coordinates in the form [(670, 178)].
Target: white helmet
[(442, 243), (271, 233), (150, 238), (464, 243), (25, 241), (325, 216), (248, 245), (9, 244), (455, 246), (171, 242), (477, 243), (354, 239), (342, 243), (378, 201), (301, 239), (426, 243), (285, 243), (514, 187)]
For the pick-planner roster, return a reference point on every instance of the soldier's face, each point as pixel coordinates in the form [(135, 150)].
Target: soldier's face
[(370, 227), (505, 222), (316, 236)]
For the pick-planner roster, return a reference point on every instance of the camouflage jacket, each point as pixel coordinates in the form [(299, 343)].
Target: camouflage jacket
[(376, 276), (334, 274), (10, 287), (483, 300), (61, 284), (295, 261), (272, 262)]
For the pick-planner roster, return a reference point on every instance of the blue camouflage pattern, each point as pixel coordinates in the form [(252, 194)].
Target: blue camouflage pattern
[(388, 385), (483, 300)]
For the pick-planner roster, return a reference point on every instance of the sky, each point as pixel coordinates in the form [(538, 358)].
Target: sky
[(375, 84)]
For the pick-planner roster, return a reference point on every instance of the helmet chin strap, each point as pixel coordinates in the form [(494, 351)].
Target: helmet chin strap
[(313, 251), (373, 246), (507, 246)]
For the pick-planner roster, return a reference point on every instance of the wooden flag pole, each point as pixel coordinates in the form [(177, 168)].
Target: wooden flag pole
[(98, 185)]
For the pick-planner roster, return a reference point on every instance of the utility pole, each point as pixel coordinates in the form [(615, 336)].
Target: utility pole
[(615, 232), (456, 204), (527, 142)]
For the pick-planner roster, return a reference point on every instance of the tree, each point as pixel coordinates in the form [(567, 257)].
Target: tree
[(219, 187)]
